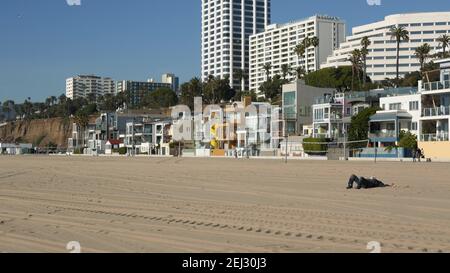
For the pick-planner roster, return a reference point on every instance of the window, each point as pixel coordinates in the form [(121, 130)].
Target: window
[(413, 105), (289, 98), (414, 126), (395, 106), (318, 114)]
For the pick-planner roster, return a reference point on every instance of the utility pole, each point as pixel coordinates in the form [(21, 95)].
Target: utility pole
[(132, 137), (247, 132), (376, 151), (286, 151), (345, 141)]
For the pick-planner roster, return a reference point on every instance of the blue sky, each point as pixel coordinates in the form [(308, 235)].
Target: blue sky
[(42, 42)]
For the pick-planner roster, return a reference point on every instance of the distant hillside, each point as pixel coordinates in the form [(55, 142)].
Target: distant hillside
[(39, 132)]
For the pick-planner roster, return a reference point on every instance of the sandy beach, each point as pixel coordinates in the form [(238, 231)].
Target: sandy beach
[(219, 205)]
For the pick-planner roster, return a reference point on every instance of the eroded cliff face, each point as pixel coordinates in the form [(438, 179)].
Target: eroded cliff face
[(38, 132)]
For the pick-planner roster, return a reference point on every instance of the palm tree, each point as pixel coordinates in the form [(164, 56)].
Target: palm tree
[(300, 72), (365, 43), (267, 67), (422, 53), (285, 70), (314, 42), (82, 120), (92, 98), (8, 107), (444, 41), (300, 49), (240, 75), (399, 34), (355, 59)]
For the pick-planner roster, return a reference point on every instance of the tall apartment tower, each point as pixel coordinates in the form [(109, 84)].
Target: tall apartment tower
[(83, 85), (226, 28), (277, 43), (424, 27)]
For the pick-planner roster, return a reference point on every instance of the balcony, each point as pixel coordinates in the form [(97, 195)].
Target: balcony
[(434, 137), (436, 111), (383, 134), (436, 86)]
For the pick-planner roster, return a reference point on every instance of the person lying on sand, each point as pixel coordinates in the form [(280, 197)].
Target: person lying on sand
[(365, 183)]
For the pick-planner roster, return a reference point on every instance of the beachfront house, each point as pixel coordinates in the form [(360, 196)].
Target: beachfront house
[(297, 99), (435, 115), (15, 148)]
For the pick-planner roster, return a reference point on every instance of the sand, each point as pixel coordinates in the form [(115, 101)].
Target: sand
[(219, 205)]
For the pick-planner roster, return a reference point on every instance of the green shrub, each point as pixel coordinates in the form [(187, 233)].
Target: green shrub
[(123, 150), (313, 146), (408, 140), (78, 151)]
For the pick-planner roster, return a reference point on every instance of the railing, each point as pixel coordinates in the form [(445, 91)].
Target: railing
[(434, 137), (289, 116), (436, 111), (433, 86), (383, 134), (321, 135)]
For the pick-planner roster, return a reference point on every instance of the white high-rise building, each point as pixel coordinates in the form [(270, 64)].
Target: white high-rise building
[(83, 85), (277, 43), (226, 28), (382, 58)]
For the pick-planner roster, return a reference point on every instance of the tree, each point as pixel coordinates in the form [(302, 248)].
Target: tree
[(272, 88), (216, 90), (359, 127), (160, 98), (27, 108), (365, 43), (82, 120), (108, 103), (355, 60), (422, 53), (267, 67), (246, 93), (300, 49), (189, 91), (91, 98), (408, 140), (300, 72), (285, 70), (8, 108), (339, 78), (314, 42), (241, 76), (399, 34), (444, 41)]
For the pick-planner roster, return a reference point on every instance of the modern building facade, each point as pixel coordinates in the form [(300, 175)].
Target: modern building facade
[(435, 115), (83, 86), (226, 28), (298, 99), (277, 43), (136, 90), (382, 57)]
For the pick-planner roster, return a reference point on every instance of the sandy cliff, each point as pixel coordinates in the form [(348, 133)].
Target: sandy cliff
[(38, 132)]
